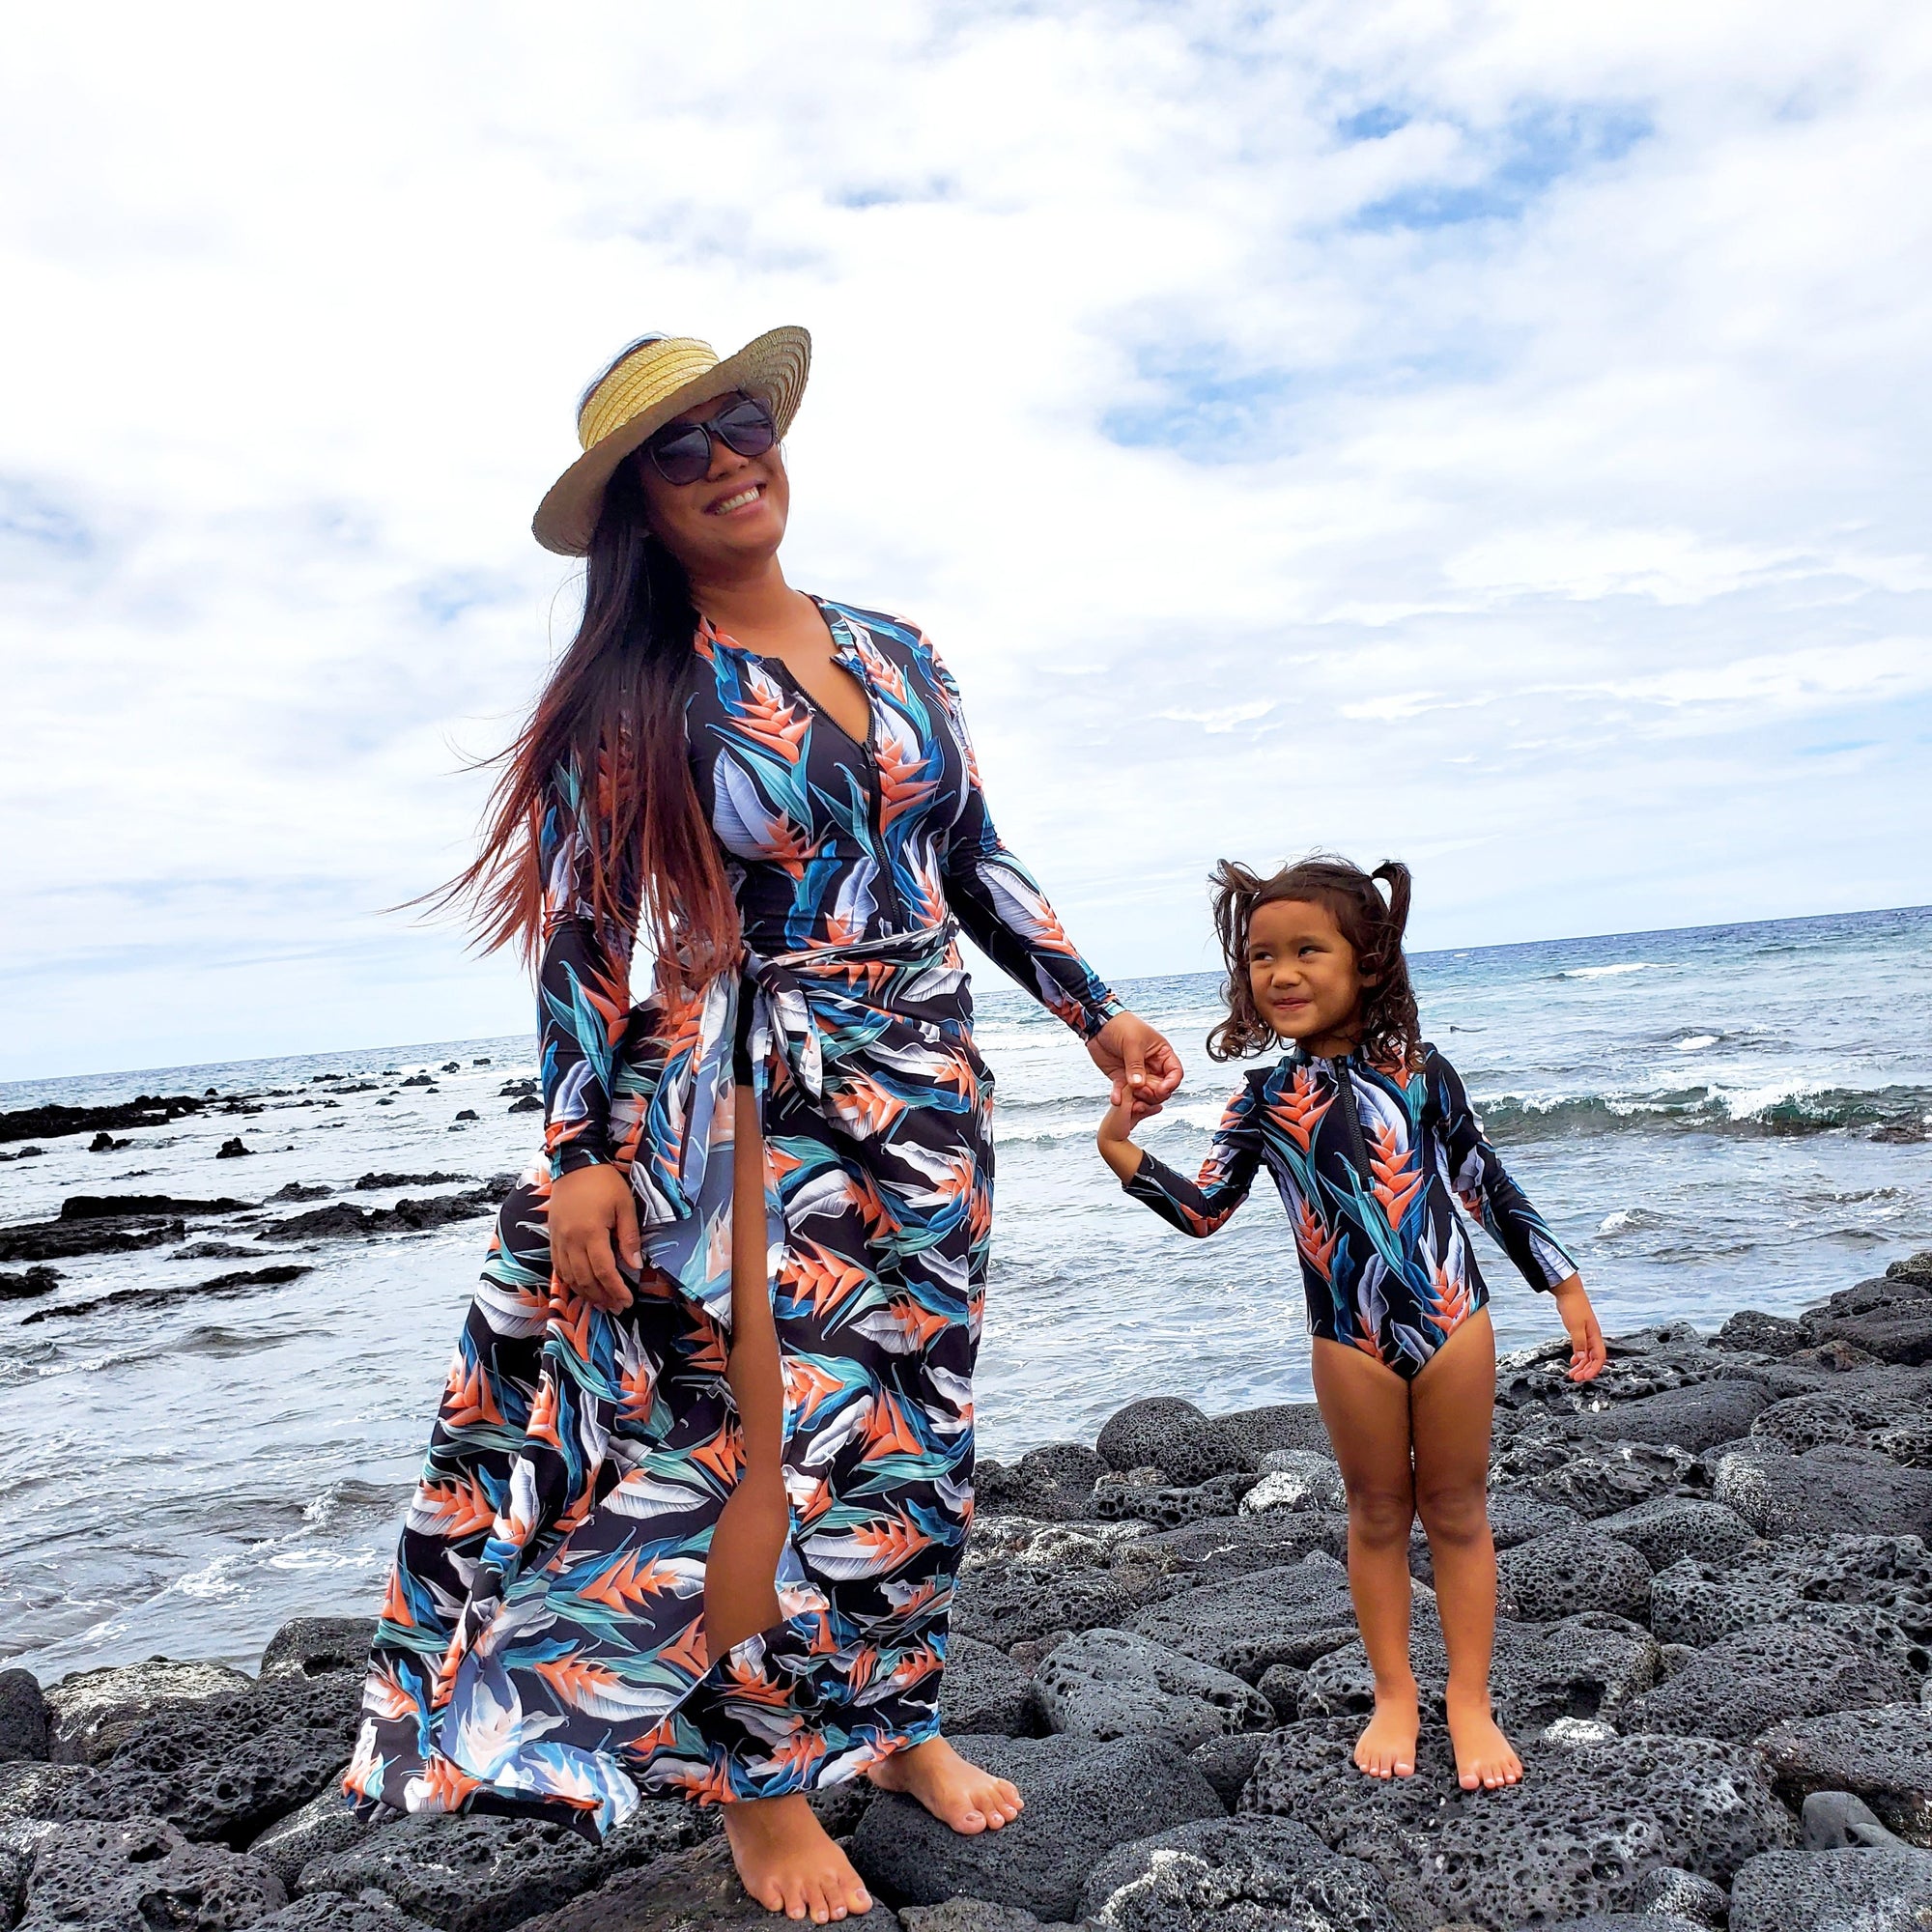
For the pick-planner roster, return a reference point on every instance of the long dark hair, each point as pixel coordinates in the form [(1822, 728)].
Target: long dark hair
[(612, 710), (1391, 1028)]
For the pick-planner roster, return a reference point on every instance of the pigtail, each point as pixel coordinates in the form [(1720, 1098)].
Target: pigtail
[(1236, 892)]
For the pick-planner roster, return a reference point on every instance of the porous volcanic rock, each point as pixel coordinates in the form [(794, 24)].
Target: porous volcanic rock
[(1121, 1498), (59, 1241), (1876, 1889), (1171, 1561), (140, 1875), (1831, 1489), (1592, 1666), (1800, 1422), (1083, 1800), (1111, 1684), (92, 1712), (983, 1689), (691, 1890), (1015, 1603), (1889, 1318), (1279, 1425), (1051, 1483), (23, 1716), (1881, 1755), (335, 1912), (1751, 1331), (483, 1874), (319, 1647), (1289, 1614), (1594, 1479), (1576, 1835), (1172, 1435), (146, 1110), (1675, 1526), (1569, 1571), (1695, 1417), (1219, 1873), (317, 1828), (1742, 1686), (1875, 1590), (243, 1761), (1295, 1481), (1229, 1762)]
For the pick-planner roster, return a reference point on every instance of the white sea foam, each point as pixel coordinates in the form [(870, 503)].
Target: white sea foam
[(1697, 1042), (1606, 971)]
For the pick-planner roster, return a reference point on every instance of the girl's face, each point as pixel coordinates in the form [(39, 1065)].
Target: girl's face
[(1303, 975), (733, 516)]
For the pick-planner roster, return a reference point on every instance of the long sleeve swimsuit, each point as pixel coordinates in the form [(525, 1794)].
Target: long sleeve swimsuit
[(542, 1644), (1370, 1164)]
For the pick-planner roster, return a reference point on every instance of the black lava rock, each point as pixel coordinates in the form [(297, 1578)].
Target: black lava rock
[(243, 1761), (1168, 1433), (1053, 1483), (1220, 1549), (1200, 1877), (23, 1716), (1675, 1526), (146, 1110), (1697, 1416), (319, 1647), (983, 1689), (1592, 1666), (1881, 1755), (324, 1825), (1015, 1603), (1083, 1800), (483, 1874), (142, 1875), (1880, 1889), (1573, 1570), (1112, 1683), (1289, 1614), (58, 1240), (1828, 1490), (1576, 1835), (93, 1713), (1745, 1684), (691, 1890), (232, 1150)]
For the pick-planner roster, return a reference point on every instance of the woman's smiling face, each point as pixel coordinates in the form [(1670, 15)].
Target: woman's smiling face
[(732, 516)]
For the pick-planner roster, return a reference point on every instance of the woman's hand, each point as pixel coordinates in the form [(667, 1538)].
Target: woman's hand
[(1140, 1066), (1587, 1354), (593, 1219)]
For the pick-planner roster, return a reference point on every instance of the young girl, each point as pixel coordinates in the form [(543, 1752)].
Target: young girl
[(1369, 1138)]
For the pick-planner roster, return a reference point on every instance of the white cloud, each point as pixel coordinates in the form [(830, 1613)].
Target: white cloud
[(1489, 432)]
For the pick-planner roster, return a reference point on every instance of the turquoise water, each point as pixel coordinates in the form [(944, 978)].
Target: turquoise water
[(1710, 1118)]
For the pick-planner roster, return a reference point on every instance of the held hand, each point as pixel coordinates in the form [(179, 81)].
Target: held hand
[(1117, 1150), (1587, 1354), (1142, 1068), (593, 1219)]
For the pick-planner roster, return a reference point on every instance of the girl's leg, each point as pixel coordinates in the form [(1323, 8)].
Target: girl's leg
[(1365, 1407), (783, 1854), (1451, 1401)]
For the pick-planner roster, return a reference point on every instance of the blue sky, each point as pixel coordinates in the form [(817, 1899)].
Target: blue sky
[(1492, 436)]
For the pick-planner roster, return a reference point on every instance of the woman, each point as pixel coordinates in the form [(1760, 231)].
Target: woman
[(699, 1484)]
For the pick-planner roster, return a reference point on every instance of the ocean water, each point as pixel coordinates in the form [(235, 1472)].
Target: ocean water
[(1710, 1118)]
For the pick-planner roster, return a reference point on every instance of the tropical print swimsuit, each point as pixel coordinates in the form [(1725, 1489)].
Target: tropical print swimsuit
[(542, 1644), (1370, 1163)]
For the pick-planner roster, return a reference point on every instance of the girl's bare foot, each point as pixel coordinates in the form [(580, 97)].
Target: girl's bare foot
[(1386, 1748), (955, 1792), (1484, 1758), (788, 1864)]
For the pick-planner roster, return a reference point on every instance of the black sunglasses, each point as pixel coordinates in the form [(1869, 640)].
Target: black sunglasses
[(682, 451)]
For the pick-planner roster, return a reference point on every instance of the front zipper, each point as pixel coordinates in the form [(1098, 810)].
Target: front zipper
[(1344, 1093)]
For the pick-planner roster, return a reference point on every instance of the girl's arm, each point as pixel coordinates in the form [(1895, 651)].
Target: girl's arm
[(1195, 1206), (1483, 1184), (1478, 1175)]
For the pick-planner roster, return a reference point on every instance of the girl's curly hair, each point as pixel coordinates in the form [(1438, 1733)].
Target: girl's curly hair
[(1391, 1030)]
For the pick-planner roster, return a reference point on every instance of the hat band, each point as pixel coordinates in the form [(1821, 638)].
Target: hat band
[(656, 372)]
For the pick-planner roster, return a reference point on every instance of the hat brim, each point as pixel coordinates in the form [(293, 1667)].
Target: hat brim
[(773, 368)]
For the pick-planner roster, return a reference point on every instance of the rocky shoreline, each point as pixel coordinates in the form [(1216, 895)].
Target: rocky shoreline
[(1714, 1657)]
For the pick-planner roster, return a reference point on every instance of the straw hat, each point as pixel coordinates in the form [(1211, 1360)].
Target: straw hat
[(655, 379)]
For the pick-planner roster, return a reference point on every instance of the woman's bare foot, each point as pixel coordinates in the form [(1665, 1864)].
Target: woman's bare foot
[(788, 1864), (1386, 1748), (955, 1792), (1485, 1758)]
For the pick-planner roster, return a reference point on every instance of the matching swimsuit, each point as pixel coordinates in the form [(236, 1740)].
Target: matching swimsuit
[(542, 1644), (1370, 1164)]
